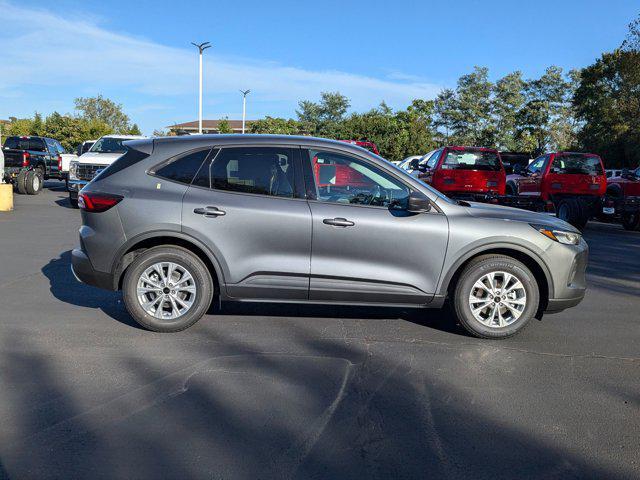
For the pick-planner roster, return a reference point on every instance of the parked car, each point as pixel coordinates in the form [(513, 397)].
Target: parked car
[(410, 163), (29, 160), (177, 221), (84, 147), (464, 172), (101, 154), (573, 184), (623, 198)]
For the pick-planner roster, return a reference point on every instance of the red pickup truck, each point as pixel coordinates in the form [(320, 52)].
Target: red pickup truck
[(573, 184), (623, 198), (464, 172)]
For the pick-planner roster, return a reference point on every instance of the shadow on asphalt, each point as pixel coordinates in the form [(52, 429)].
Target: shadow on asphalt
[(64, 202), (339, 410), (614, 258), (66, 288)]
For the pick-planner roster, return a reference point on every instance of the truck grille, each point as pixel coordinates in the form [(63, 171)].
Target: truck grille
[(87, 172)]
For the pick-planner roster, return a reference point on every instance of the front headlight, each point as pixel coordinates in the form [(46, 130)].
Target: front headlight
[(562, 236), (73, 168)]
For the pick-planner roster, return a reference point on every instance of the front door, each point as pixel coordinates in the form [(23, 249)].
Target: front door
[(366, 247), (531, 184), (243, 204)]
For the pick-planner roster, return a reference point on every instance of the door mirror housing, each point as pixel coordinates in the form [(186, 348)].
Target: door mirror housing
[(423, 167), (418, 203), (414, 164)]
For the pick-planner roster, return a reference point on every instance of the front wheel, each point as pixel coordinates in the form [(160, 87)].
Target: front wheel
[(496, 296), (167, 289), (631, 221)]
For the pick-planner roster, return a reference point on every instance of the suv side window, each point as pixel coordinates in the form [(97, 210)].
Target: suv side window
[(182, 169), (36, 145), (537, 164), (256, 170), (340, 178)]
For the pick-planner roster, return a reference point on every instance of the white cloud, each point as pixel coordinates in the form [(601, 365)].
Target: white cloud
[(55, 51)]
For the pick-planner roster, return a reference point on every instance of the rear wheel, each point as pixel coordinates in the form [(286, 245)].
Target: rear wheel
[(33, 182), (631, 221), (167, 289), (20, 182), (573, 212), (495, 297)]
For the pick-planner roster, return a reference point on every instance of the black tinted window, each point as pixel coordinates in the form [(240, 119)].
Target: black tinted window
[(260, 170), (25, 143), (184, 168)]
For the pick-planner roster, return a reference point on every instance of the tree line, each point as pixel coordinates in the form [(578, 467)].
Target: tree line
[(93, 118)]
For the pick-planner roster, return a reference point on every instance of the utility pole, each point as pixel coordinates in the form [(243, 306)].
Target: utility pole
[(244, 106), (201, 48)]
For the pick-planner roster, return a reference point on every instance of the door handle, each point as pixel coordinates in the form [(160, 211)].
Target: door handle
[(338, 222), (209, 211)]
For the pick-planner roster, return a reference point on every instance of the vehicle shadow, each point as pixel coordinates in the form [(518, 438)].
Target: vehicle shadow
[(438, 319), (64, 202), (64, 286), (329, 409)]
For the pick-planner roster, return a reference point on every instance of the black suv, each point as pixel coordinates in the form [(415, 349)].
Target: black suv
[(28, 161)]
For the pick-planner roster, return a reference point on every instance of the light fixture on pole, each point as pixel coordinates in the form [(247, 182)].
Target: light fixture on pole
[(244, 106), (201, 48)]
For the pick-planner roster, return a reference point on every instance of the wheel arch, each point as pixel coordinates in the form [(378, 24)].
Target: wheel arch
[(534, 263), (139, 244)]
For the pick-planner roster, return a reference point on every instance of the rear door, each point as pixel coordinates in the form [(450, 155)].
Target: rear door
[(366, 248), (246, 206)]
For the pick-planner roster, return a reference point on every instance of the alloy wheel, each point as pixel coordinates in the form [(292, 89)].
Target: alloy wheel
[(497, 299), (166, 290)]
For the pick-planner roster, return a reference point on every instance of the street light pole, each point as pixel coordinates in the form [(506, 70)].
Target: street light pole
[(201, 48), (244, 106)]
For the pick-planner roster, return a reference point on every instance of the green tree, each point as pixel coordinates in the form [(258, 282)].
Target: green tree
[(607, 103), (105, 110), (472, 109), (323, 118), (276, 126), (508, 100), (444, 107), (224, 127)]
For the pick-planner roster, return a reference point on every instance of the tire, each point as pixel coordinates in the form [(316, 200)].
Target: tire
[(631, 221), (21, 182), (567, 210), (73, 202), (511, 189), (484, 323), (33, 182), (156, 317)]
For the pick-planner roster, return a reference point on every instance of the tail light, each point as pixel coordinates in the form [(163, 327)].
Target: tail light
[(25, 159), (59, 163), (97, 202)]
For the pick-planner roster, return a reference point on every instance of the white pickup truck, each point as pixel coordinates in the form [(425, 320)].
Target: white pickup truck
[(103, 153)]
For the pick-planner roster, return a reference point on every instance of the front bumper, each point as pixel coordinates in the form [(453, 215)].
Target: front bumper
[(569, 276), (84, 272)]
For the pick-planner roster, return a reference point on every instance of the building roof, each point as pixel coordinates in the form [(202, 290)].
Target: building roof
[(208, 124)]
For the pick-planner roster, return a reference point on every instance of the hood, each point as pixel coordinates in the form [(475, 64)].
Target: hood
[(484, 210), (99, 158)]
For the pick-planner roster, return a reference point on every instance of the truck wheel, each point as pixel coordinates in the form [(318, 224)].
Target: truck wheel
[(495, 297), (631, 221), (167, 289), (511, 189), (20, 182), (571, 211), (33, 182)]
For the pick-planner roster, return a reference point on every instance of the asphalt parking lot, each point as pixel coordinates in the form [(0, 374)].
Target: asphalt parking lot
[(280, 391)]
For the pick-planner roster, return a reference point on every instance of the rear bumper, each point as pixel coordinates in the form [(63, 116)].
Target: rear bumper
[(84, 272), (556, 305)]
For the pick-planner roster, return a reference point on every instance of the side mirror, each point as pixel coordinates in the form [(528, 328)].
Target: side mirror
[(517, 169), (418, 203), (423, 167), (414, 164)]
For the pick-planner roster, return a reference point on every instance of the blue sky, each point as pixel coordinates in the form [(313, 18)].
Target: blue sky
[(138, 52)]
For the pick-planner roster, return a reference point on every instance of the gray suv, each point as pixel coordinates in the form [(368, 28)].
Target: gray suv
[(175, 222)]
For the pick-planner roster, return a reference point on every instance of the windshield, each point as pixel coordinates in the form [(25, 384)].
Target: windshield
[(576, 163), (109, 145), (471, 160)]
